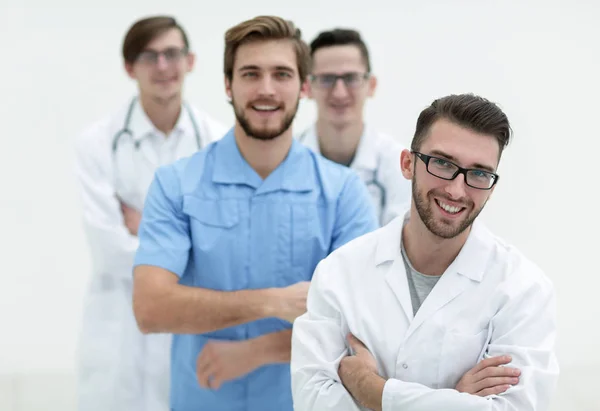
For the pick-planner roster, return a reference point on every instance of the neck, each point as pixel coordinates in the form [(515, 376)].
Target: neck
[(339, 143), (163, 113), (428, 253), (264, 156)]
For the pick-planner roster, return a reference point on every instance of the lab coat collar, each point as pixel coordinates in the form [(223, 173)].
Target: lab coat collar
[(466, 270), (141, 126), (470, 262), (366, 157), (295, 173)]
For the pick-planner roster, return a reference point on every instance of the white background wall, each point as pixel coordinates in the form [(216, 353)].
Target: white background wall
[(61, 69)]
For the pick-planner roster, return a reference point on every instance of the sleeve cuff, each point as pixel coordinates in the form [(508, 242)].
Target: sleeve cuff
[(171, 266)]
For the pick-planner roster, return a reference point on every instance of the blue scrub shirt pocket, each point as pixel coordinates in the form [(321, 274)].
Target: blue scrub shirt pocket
[(213, 226), (306, 238)]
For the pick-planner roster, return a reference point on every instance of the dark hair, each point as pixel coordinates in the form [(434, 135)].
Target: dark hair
[(466, 110), (264, 28), (144, 31), (341, 37)]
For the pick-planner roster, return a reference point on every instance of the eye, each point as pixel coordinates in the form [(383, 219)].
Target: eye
[(249, 74), (440, 163), (283, 74)]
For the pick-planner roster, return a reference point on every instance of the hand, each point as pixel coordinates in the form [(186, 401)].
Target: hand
[(221, 361), (358, 364), (489, 378), (132, 218), (291, 301)]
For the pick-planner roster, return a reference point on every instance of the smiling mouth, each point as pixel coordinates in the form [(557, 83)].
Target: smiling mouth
[(166, 80), (449, 209), (265, 108)]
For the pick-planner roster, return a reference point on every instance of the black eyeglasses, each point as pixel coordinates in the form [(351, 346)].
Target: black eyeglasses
[(171, 55), (447, 170), (351, 80)]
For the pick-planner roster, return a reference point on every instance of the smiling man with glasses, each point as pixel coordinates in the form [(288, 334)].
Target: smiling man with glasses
[(340, 83), (117, 156), (432, 311)]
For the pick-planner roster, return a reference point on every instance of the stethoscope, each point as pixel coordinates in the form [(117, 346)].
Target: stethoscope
[(127, 131), (372, 183)]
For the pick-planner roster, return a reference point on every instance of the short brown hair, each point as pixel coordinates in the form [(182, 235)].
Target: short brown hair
[(466, 110), (341, 37), (144, 31), (264, 28)]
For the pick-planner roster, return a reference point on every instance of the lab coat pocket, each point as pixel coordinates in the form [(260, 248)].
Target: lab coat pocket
[(460, 352), (212, 222)]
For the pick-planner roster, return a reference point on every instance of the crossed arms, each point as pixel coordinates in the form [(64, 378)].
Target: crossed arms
[(324, 377)]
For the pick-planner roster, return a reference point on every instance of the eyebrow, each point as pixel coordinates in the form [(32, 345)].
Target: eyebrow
[(255, 67), (478, 166)]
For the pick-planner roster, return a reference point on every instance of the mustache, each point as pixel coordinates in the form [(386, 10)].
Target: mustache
[(265, 103), (464, 201)]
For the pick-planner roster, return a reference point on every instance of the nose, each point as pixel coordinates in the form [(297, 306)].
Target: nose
[(339, 89), (161, 62), (267, 87), (456, 188)]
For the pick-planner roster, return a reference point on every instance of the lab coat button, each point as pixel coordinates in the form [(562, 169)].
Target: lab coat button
[(405, 366)]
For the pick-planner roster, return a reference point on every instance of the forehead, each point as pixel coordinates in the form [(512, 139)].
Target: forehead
[(465, 147), (170, 38), (338, 59), (266, 55)]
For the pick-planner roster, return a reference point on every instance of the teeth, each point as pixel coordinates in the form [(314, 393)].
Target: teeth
[(265, 108), (449, 208)]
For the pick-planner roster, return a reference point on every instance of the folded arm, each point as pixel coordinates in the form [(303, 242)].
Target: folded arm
[(112, 246), (525, 329), (161, 304), (318, 346)]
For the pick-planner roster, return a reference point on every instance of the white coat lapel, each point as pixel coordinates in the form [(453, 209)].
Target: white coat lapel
[(465, 272), (389, 259), (395, 278), (450, 286)]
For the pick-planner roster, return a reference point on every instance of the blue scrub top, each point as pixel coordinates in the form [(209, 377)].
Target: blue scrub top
[(215, 223)]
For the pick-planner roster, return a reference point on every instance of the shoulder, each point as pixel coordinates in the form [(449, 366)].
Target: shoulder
[(100, 134), (517, 272), (334, 178), (186, 173), (95, 134), (213, 128), (388, 146), (353, 260)]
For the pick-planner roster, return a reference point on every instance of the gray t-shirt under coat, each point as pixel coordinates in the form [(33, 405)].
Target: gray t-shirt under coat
[(420, 285)]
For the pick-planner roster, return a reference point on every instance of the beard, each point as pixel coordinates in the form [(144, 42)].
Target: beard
[(264, 133), (442, 227)]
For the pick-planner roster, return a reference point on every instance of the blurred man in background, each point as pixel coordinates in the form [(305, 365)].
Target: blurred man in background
[(116, 158), (340, 83)]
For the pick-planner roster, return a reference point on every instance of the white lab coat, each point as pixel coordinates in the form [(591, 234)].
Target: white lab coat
[(377, 162), (119, 367), (490, 301)]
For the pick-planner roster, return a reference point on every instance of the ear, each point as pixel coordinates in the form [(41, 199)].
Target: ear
[(372, 86), (407, 164), (308, 87), (191, 61), (129, 70), (228, 88), (305, 89)]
